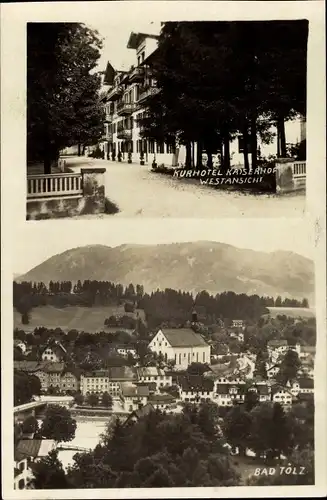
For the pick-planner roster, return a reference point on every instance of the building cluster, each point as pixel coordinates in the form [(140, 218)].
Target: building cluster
[(135, 386), (125, 99), (27, 452)]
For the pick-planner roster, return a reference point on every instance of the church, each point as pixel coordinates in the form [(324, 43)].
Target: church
[(181, 345)]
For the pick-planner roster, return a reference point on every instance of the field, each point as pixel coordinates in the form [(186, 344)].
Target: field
[(89, 319), (292, 312)]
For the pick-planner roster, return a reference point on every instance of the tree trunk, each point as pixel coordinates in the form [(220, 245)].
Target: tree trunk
[(254, 141), (226, 164), (282, 138), (83, 150), (188, 158), (79, 150), (278, 140), (198, 154), (245, 148)]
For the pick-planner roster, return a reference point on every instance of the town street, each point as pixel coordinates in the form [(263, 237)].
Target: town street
[(139, 192)]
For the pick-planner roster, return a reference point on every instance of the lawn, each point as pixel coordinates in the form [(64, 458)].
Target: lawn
[(89, 319), (246, 466), (292, 312)]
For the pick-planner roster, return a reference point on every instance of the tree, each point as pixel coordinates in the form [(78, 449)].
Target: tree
[(25, 387), (30, 425), (63, 105), (289, 367), (107, 400), (49, 473), (58, 424), (260, 365), (79, 398), (237, 428), (93, 399)]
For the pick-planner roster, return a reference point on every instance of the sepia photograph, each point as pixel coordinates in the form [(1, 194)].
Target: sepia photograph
[(166, 119), (163, 274), (159, 361)]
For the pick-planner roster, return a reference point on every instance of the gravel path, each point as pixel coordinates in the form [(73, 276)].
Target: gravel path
[(139, 192)]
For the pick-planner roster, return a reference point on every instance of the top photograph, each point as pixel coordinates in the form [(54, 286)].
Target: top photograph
[(202, 119)]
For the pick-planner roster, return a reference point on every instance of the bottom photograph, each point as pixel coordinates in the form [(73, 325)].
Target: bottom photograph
[(144, 360)]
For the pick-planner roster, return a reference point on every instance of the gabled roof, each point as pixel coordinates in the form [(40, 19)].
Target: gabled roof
[(122, 373), (135, 39), (35, 366), (33, 448), (150, 371), (183, 337), (161, 398), (195, 383), (109, 74), (277, 343), (142, 412), (135, 390)]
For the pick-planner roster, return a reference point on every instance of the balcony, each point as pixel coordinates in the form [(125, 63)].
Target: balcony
[(146, 92), (125, 108), (136, 74), (115, 93), (126, 134)]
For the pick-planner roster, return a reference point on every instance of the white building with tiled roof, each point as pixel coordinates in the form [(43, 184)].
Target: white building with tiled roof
[(181, 345)]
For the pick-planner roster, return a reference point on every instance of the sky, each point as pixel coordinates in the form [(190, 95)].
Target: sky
[(116, 36), (35, 242)]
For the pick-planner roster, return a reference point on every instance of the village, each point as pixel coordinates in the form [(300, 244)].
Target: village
[(178, 366)]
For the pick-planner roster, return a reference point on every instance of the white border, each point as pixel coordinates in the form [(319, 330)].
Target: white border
[(13, 71)]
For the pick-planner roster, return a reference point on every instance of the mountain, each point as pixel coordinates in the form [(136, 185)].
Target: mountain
[(194, 266)]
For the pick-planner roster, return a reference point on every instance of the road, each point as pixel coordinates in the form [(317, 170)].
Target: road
[(139, 192)]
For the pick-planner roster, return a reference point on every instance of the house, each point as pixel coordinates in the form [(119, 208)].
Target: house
[(49, 373), (94, 382), (272, 371), (237, 323), (181, 345), (54, 352), (161, 401), (110, 380), (306, 385), (119, 375), (133, 397), (277, 347), (307, 352), (228, 394), (195, 388), (138, 414), (154, 375), (26, 452), (237, 335), (21, 345), (125, 350), (281, 395), (263, 391), (69, 380)]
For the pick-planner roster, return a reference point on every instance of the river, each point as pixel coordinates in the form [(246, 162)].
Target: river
[(87, 435)]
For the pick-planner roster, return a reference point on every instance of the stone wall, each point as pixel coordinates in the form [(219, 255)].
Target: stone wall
[(91, 201)]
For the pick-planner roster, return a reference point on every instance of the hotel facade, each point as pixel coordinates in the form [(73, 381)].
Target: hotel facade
[(125, 101)]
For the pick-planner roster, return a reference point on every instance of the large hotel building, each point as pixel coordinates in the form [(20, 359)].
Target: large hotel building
[(125, 101)]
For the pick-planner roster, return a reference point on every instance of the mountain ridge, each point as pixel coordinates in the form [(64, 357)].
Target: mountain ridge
[(193, 266)]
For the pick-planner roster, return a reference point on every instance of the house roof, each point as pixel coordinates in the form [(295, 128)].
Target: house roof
[(135, 39), (142, 412), (56, 347), (33, 448), (306, 396), (161, 398), (310, 349), (277, 343), (183, 337), (122, 373), (222, 388), (195, 383), (135, 390), (109, 74), (35, 366), (150, 371)]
